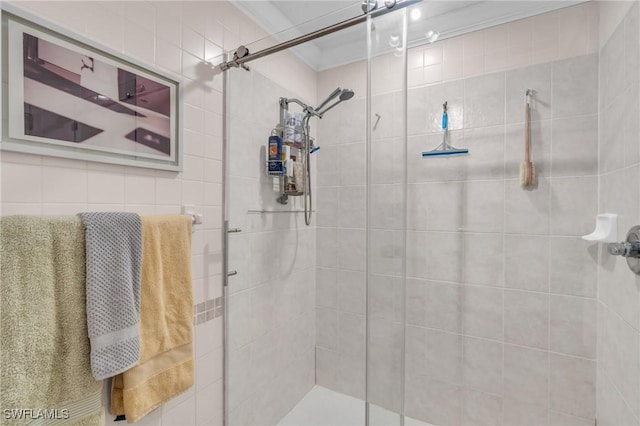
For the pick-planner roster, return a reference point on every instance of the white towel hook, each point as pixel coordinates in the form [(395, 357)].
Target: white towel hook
[(528, 94)]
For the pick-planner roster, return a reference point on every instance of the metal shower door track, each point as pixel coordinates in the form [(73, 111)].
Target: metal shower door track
[(239, 60)]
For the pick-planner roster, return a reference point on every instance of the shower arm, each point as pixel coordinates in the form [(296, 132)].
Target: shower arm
[(245, 56), (323, 112), (305, 108)]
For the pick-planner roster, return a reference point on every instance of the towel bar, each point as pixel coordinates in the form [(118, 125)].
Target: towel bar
[(196, 219), (276, 211), (189, 209)]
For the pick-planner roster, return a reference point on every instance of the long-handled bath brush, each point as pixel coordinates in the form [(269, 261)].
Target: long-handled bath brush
[(527, 168)]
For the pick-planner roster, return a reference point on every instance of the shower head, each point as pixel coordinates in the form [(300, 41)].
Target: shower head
[(344, 95)]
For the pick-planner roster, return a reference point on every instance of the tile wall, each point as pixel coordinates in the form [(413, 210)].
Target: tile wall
[(175, 36), (501, 307), (618, 304), (341, 213), (272, 299), (543, 38)]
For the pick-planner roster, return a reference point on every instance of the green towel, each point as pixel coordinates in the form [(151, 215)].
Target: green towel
[(44, 352)]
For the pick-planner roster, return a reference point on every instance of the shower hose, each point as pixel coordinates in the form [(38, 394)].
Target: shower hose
[(308, 201)]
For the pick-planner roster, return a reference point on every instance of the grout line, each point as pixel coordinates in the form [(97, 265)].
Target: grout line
[(504, 248), (485, 339), (599, 248), (549, 215), (615, 387), (610, 309)]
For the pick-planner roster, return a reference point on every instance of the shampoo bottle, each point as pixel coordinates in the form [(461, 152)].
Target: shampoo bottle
[(275, 155)]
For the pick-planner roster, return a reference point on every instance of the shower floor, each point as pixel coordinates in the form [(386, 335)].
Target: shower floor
[(324, 407)]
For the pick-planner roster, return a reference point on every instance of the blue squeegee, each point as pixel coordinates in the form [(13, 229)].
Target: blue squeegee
[(444, 148)]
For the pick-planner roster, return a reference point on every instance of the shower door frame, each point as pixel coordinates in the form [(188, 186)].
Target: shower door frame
[(369, 416)]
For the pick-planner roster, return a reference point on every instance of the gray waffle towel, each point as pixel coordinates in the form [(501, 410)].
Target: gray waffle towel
[(114, 260)]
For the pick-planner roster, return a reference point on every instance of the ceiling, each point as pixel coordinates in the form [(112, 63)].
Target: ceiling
[(293, 18)]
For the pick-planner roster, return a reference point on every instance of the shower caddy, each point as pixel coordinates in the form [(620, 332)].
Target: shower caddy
[(288, 184), (296, 180)]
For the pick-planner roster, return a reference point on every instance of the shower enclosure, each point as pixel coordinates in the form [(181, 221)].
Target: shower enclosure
[(421, 290), (276, 354)]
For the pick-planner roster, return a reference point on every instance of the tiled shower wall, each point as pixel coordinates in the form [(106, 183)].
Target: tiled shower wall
[(272, 299), (340, 235), (618, 303), (501, 307), (175, 36), (501, 290)]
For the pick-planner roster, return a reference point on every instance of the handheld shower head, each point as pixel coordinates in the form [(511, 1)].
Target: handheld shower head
[(331, 97), (345, 95)]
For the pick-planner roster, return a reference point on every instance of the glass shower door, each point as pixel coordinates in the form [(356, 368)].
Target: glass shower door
[(320, 306), (386, 230)]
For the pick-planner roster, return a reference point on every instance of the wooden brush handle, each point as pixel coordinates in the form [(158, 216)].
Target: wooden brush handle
[(527, 133)]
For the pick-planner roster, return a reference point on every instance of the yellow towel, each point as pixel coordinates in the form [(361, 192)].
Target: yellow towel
[(44, 351), (165, 368)]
